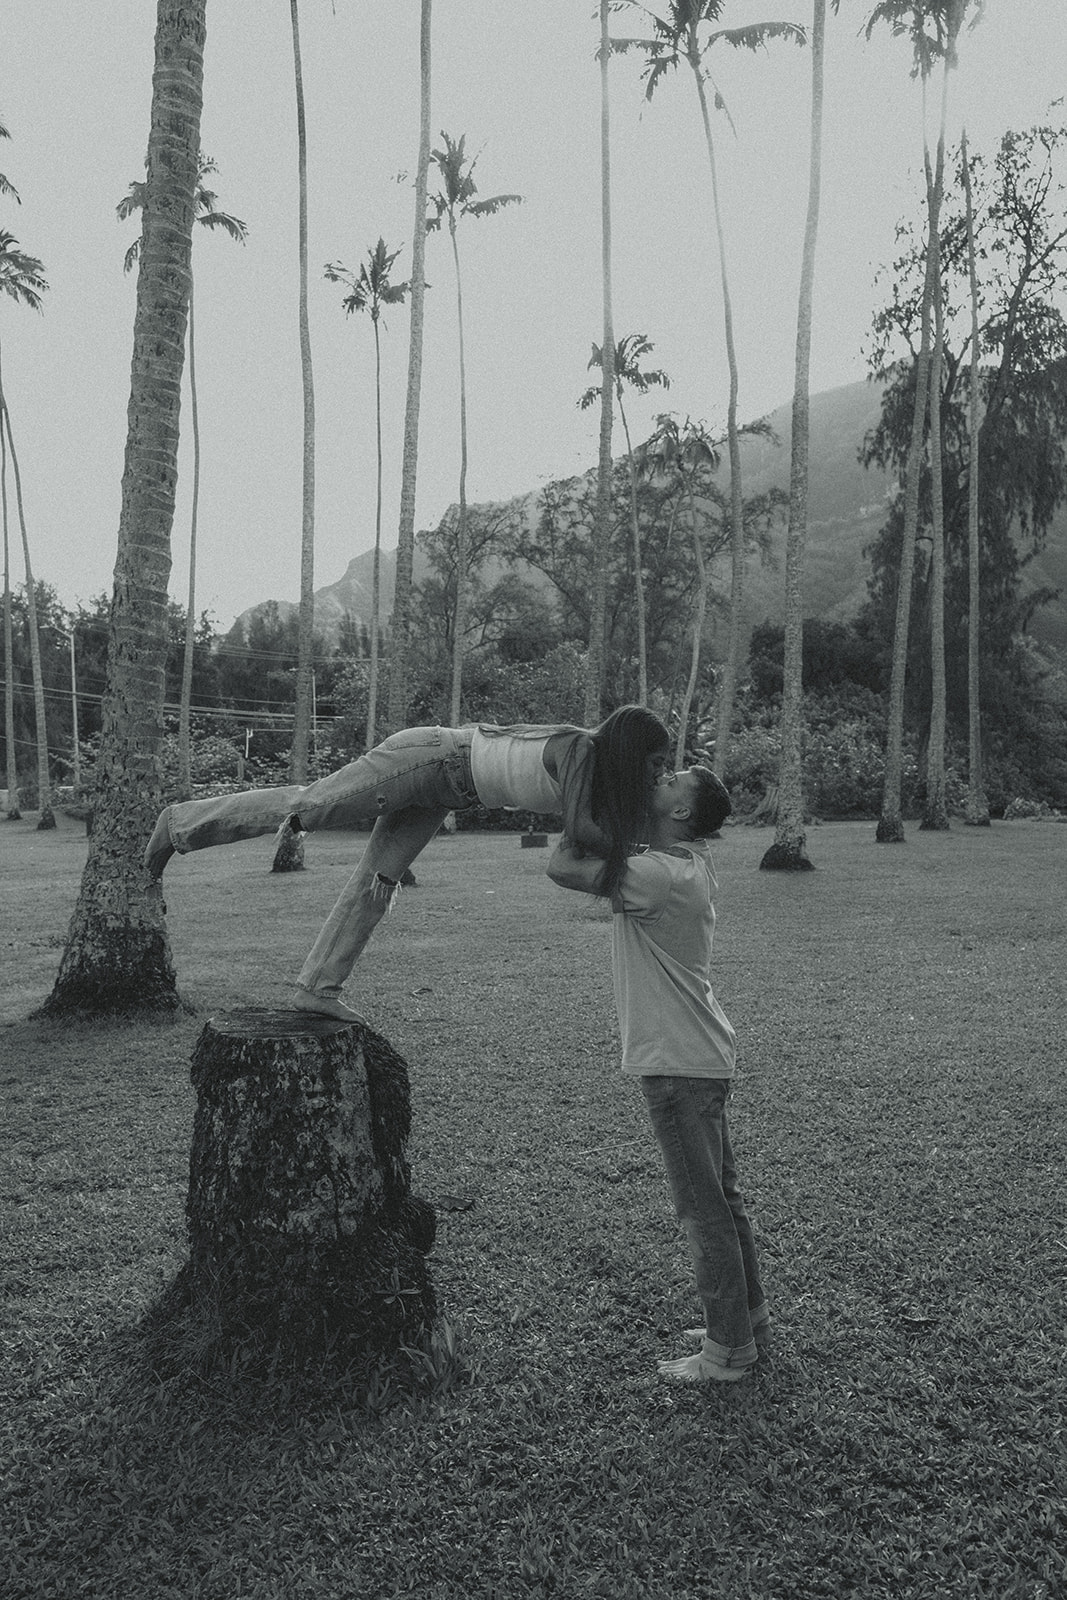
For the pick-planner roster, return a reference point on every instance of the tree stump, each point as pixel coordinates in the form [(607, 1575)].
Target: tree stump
[(289, 851), (305, 1242)]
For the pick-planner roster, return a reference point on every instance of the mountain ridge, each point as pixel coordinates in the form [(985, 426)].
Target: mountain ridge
[(847, 504)]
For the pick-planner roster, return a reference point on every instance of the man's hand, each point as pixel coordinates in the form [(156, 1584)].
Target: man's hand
[(572, 869)]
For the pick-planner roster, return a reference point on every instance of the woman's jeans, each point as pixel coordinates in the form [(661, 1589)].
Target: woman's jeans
[(409, 783), (688, 1117)]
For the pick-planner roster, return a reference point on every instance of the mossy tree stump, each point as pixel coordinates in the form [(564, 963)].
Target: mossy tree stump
[(305, 1241)]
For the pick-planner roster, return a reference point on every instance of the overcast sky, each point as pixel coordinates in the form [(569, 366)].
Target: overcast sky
[(519, 78)]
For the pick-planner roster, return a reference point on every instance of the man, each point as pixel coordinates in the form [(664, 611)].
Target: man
[(677, 1040)]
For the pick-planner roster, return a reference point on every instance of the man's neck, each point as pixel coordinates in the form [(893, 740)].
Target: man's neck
[(666, 835)]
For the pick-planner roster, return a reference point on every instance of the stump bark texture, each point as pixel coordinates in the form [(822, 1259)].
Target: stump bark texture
[(305, 1240)]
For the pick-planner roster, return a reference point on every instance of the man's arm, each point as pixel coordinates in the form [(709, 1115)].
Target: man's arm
[(572, 870)]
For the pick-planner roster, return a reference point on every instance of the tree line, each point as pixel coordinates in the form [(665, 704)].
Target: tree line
[(1013, 324)]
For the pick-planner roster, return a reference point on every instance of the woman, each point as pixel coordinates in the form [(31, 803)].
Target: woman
[(598, 781)]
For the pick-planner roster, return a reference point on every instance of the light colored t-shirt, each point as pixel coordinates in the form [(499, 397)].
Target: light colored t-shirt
[(671, 1023)]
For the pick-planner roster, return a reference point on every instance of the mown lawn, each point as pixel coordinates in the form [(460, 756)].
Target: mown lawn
[(900, 1122)]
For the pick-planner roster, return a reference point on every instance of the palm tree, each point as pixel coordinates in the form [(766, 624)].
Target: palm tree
[(626, 370), (11, 773), (298, 757), (370, 289), (22, 277), (678, 38), (209, 216), (6, 187), (935, 811), (594, 660), (117, 957), (405, 550), (977, 815), (911, 17), (684, 451), (454, 201), (788, 853)]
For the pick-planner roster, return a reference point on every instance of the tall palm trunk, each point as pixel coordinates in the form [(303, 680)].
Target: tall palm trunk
[(639, 578), (460, 620), (405, 554), (728, 686), (117, 957), (376, 581), (46, 816), (700, 607), (185, 773), (11, 763), (935, 812), (298, 758), (594, 676), (890, 828), (977, 815), (787, 852)]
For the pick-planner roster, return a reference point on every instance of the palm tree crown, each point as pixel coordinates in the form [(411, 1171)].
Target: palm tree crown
[(455, 198), (206, 206), (627, 370), (6, 186), (678, 37), (369, 288), (21, 276)]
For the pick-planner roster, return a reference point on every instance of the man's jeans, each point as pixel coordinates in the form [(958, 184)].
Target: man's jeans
[(688, 1117), (409, 783)]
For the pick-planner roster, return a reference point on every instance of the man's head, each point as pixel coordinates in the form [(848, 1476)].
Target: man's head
[(690, 804)]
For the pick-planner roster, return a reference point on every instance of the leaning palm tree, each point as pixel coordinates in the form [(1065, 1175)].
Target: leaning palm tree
[(369, 289), (405, 550), (787, 853), (117, 958), (682, 37), (22, 278), (453, 201), (209, 216), (627, 372)]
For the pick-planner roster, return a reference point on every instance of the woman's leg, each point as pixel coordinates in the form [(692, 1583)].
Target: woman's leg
[(394, 843), (426, 767)]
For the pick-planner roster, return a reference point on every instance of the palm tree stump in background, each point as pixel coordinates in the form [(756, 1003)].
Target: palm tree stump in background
[(289, 853), (305, 1242)]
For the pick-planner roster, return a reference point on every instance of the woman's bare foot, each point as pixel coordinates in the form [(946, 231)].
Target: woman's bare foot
[(327, 1005)]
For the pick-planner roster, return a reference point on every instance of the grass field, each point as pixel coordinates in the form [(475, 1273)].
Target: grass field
[(899, 1121)]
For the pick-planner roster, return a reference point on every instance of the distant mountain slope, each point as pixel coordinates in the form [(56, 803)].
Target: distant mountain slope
[(846, 508)]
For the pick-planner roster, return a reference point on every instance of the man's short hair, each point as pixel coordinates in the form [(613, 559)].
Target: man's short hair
[(711, 806)]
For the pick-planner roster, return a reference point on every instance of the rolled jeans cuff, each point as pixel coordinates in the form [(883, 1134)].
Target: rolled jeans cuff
[(731, 1357)]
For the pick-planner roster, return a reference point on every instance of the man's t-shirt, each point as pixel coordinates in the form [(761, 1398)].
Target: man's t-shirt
[(671, 1023)]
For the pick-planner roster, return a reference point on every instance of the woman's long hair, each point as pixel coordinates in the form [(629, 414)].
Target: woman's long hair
[(623, 744)]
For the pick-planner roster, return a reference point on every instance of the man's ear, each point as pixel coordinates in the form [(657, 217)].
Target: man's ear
[(681, 813)]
